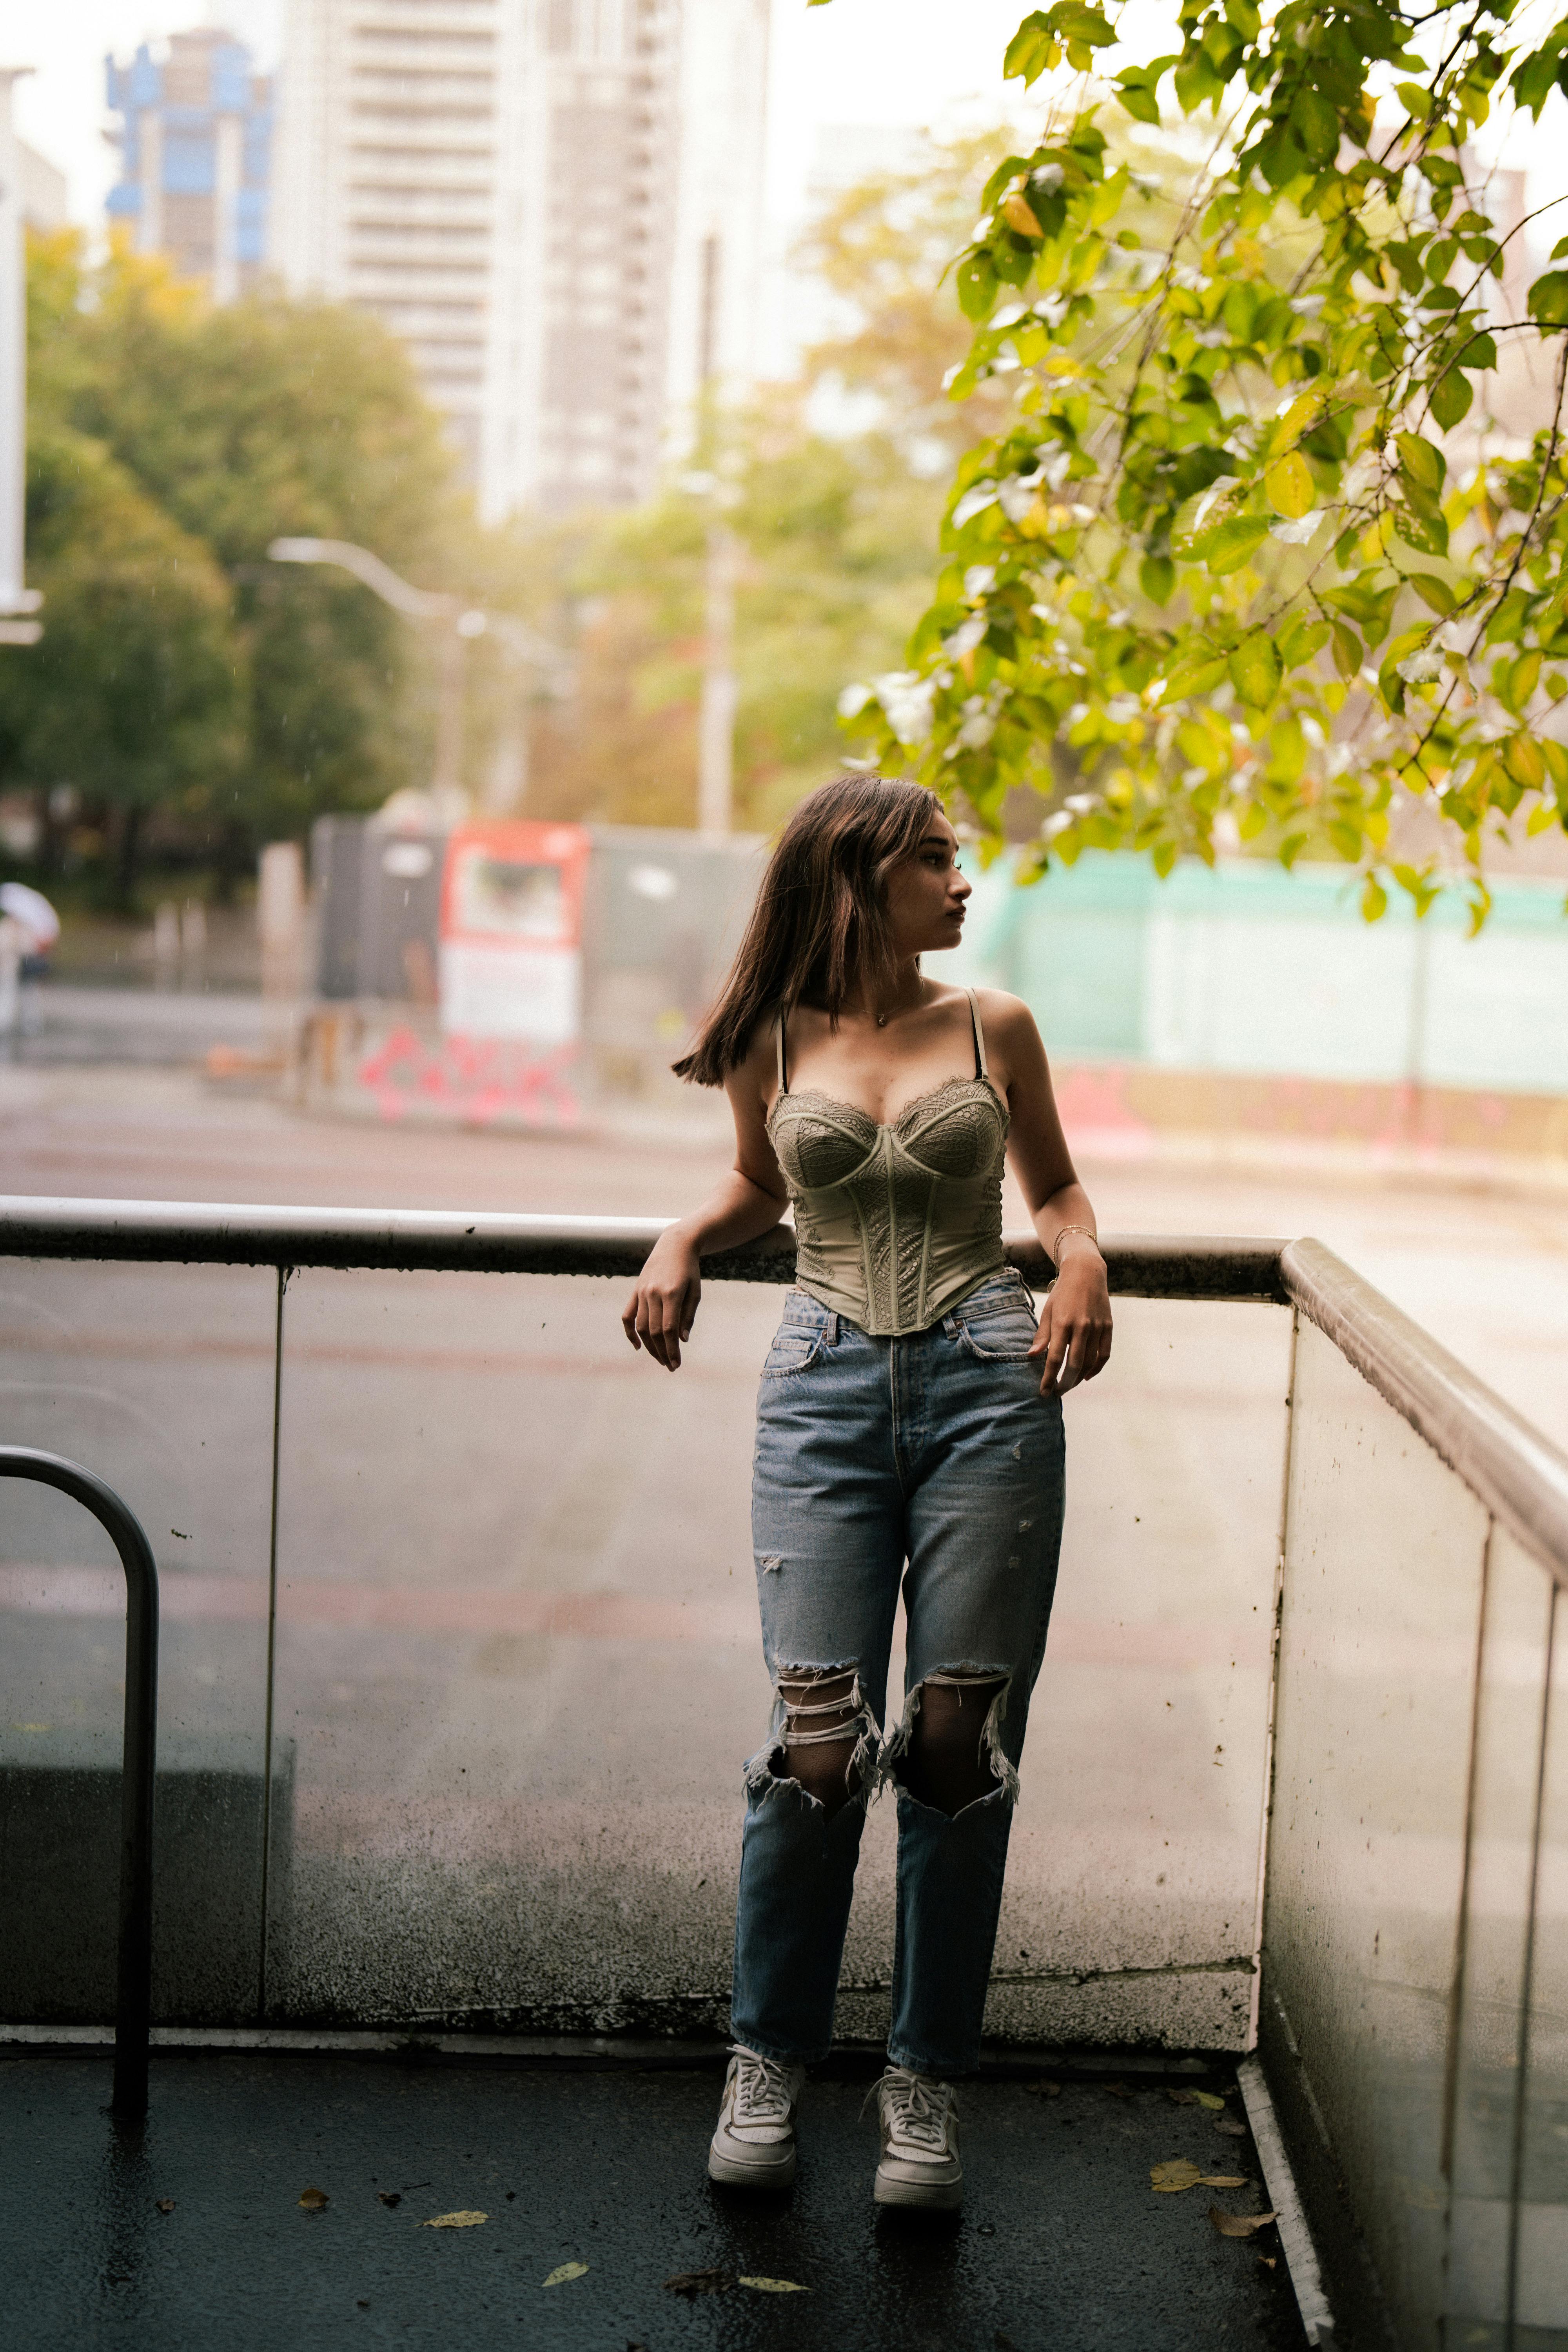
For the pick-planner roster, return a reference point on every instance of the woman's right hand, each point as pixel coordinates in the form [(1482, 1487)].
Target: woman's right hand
[(663, 1305)]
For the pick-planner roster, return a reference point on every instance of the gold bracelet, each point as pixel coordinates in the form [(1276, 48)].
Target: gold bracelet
[(1062, 1231)]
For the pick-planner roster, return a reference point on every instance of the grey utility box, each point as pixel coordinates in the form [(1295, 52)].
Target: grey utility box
[(378, 896)]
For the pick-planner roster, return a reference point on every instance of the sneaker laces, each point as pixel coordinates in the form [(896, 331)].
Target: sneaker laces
[(918, 2109), (762, 2088)]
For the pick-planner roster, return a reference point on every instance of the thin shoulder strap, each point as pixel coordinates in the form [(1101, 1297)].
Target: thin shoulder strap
[(980, 1070), (784, 1081)]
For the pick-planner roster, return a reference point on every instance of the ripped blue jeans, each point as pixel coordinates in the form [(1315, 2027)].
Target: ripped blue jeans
[(933, 1459)]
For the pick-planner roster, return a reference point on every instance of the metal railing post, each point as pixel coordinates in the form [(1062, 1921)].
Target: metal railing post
[(133, 1987)]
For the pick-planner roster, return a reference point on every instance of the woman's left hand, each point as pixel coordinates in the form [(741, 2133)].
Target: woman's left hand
[(1074, 1336)]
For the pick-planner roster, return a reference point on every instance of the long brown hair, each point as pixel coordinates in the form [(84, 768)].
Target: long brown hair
[(820, 922)]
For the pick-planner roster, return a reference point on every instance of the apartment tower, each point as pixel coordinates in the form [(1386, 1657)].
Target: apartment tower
[(555, 204), (194, 138)]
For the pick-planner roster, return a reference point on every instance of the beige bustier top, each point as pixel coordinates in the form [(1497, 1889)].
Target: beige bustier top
[(895, 1224)]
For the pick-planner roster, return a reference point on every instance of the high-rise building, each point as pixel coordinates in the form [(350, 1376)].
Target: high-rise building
[(46, 194), (556, 204), (194, 138)]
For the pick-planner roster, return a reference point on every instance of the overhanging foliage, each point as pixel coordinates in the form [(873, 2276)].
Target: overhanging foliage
[(1247, 545)]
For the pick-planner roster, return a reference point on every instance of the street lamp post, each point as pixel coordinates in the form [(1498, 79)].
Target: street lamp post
[(18, 603), (716, 722), (456, 624)]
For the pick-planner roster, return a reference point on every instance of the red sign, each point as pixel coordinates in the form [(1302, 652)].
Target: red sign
[(512, 931)]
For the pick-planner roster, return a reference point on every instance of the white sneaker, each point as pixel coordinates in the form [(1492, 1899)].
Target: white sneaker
[(753, 2147), (920, 2163)]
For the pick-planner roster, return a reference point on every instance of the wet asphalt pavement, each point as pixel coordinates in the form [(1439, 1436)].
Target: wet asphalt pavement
[(1062, 2242)]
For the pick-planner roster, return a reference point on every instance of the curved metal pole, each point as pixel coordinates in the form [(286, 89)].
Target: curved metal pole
[(133, 1991)]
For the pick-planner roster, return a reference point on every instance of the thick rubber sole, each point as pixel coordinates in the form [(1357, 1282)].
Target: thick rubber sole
[(936, 2196), (750, 2175)]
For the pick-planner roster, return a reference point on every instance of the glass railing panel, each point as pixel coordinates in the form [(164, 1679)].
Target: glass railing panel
[(1505, 1783), (1541, 2257), (160, 1379), (1378, 1644), (516, 1650), (517, 1654), (1133, 1877)]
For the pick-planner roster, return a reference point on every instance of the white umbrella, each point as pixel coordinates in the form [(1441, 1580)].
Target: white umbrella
[(33, 911)]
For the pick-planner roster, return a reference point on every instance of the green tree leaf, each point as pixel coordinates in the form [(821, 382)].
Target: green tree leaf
[(1289, 485), (1451, 399), (977, 284), (1548, 299), (1229, 548), (1421, 461), (1255, 671), (1434, 594)]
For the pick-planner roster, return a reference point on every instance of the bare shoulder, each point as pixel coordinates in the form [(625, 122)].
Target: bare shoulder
[(1010, 1026), (751, 1079)]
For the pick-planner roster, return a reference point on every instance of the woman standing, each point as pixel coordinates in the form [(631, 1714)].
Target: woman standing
[(909, 1425)]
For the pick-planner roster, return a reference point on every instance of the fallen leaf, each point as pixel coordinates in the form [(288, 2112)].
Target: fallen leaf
[(1181, 2172), (689, 2283), (1211, 2100), (454, 2222), (1045, 2090), (563, 2272), (166, 2204), (1269, 2262), (1238, 2225), (390, 2196), (1177, 2172), (314, 2201), (1232, 2129), (1120, 2091), (774, 2287)]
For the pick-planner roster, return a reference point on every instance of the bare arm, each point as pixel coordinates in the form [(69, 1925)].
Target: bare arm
[(742, 1207), (1074, 1336)]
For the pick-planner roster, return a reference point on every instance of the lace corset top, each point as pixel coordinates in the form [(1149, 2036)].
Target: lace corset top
[(895, 1224)]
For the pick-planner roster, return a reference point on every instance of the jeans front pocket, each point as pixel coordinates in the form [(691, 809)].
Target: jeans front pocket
[(802, 1339), (998, 1324)]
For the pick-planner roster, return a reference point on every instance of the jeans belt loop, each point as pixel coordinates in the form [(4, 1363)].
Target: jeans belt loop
[(832, 1328)]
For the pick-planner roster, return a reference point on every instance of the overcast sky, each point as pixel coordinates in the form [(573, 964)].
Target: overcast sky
[(874, 61), (898, 62)]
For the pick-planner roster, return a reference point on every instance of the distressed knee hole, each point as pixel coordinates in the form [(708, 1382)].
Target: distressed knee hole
[(828, 1733), (949, 1752)]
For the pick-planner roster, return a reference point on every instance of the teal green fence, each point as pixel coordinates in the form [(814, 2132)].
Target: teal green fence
[(1247, 969)]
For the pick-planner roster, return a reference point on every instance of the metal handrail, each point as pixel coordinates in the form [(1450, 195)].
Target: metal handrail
[(133, 1989), (1518, 1472), (457, 1241)]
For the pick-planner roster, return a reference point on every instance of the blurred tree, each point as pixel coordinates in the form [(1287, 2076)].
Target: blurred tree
[(238, 426), (136, 691), (838, 528), (883, 250)]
